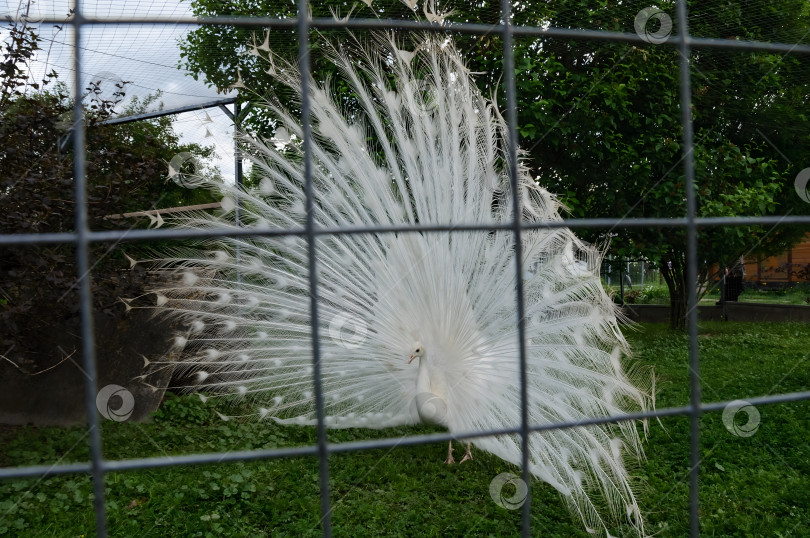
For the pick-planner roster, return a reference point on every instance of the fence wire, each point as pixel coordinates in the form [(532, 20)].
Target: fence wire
[(83, 237)]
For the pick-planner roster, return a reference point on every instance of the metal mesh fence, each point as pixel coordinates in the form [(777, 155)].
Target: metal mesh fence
[(83, 237)]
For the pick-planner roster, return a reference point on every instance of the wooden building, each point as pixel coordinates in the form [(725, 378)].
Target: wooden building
[(785, 269)]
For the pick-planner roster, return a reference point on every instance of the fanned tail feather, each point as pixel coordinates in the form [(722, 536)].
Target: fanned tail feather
[(420, 147)]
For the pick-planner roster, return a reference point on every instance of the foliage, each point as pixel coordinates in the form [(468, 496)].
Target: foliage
[(653, 294), (20, 46), (126, 170), (632, 296), (223, 56), (602, 122), (750, 486), (183, 411), (649, 294)]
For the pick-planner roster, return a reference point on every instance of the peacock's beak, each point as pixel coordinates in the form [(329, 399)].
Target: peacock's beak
[(411, 358)]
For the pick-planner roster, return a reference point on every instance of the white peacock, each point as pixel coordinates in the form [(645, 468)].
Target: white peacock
[(421, 146)]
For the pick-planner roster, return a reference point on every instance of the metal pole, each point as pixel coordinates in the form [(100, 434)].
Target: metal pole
[(310, 225), (237, 155), (84, 277), (691, 269), (643, 270), (237, 124), (512, 163)]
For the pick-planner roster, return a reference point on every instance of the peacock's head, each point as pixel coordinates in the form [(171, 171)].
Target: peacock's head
[(418, 351)]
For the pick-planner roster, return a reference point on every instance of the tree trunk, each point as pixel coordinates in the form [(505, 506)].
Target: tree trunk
[(674, 275)]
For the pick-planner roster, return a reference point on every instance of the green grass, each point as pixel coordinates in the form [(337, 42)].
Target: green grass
[(658, 294), (799, 294), (750, 486)]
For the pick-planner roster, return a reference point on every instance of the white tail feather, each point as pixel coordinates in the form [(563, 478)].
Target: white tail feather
[(425, 148)]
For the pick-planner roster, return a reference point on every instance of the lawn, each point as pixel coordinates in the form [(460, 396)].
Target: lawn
[(799, 294), (753, 485)]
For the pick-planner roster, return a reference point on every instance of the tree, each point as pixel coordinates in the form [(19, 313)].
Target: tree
[(601, 121), (223, 55)]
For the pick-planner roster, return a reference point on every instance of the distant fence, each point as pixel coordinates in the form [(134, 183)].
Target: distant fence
[(632, 273)]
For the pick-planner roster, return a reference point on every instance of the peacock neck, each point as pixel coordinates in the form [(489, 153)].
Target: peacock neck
[(423, 377)]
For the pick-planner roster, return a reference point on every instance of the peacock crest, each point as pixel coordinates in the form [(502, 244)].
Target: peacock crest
[(415, 326)]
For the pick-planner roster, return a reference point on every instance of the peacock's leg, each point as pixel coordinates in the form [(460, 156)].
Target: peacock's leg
[(450, 459), (467, 455)]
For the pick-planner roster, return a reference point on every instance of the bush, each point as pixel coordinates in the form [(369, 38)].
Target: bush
[(126, 171), (632, 296), (654, 295)]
